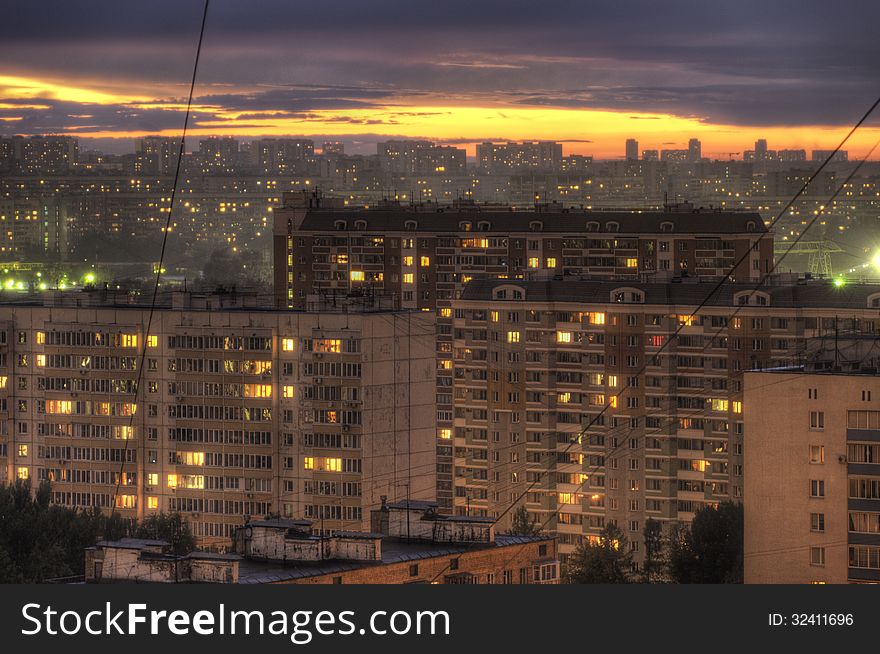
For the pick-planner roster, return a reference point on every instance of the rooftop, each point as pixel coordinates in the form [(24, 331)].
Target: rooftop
[(557, 221), (393, 551), (781, 291)]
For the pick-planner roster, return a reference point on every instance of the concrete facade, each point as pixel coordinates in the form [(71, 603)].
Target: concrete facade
[(812, 477), (240, 412)]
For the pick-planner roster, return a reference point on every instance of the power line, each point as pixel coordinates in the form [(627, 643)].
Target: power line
[(140, 371)]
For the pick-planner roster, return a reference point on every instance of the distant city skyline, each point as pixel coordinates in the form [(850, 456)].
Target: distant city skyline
[(796, 74)]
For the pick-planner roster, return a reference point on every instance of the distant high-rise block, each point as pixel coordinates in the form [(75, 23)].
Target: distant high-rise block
[(632, 150), (695, 151)]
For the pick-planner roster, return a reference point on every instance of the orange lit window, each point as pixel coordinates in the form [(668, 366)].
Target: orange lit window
[(258, 390), (287, 344)]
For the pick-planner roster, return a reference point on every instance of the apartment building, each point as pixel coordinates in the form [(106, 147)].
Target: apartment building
[(573, 398), (238, 412), (812, 476), (423, 257)]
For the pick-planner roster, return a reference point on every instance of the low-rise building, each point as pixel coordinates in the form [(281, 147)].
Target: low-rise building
[(415, 544)]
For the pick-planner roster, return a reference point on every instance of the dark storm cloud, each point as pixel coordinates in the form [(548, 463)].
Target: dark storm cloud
[(748, 62)]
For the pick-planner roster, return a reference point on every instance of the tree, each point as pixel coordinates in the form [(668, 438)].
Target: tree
[(522, 524), (40, 540), (652, 534), (710, 551), (168, 527), (607, 561)]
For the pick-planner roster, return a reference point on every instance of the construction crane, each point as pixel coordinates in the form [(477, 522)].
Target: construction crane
[(819, 253)]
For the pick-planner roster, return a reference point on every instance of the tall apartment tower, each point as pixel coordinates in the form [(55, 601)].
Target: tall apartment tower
[(422, 259), (240, 413), (812, 477), (573, 399), (632, 150), (695, 151)]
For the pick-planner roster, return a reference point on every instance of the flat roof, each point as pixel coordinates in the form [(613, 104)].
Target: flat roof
[(393, 551), (688, 292), (572, 221)]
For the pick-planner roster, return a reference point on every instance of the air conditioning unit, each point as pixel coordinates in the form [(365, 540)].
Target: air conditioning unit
[(319, 380)]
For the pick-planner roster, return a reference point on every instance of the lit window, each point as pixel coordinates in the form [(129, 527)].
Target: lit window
[(327, 345), (152, 479), (596, 318), (287, 391), (59, 406), (563, 337), (129, 340), (126, 501), (123, 432), (41, 338), (737, 406), (22, 472), (191, 458), (408, 278), (40, 360), (357, 275), (445, 433), (612, 381), (719, 405), (446, 312), (152, 341), (564, 398), (425, 261), (494, 316), (612, 401), (3, 380), (152, 502), (534, 262), (632, 263), (551, 262), (172, 481), (513, 337), (258, 390), (569, 498), (687, 321), (192, 481), (309, 463), (408, 260), (287, 344), (22, 450)]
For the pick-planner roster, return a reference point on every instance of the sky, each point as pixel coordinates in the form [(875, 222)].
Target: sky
[(587, 73)]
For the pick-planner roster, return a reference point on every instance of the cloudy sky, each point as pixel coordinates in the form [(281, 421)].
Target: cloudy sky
[(585, 72)]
